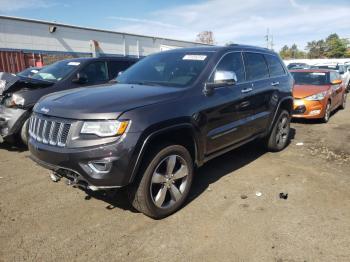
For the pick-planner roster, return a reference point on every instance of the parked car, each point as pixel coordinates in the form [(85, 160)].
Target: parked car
[(167, 114), (298, 66), (342, 69), (29, 72), (317, 92), (18, 94)]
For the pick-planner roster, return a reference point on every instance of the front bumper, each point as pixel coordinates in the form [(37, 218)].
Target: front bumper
[(116, 160), (11, 121), (309, 109)]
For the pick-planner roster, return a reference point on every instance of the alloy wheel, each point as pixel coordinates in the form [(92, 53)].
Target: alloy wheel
[(169, 181), (282, 131), (344, 100), (328, 112)]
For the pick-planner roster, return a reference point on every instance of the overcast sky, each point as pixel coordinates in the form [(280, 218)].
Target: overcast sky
[(289, 21)]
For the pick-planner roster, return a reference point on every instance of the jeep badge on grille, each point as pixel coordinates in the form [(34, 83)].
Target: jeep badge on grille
[(45, 110)]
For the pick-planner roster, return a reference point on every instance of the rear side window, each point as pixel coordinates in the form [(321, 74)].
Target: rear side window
[(275, 67), (232, 62), (256, 67), (117, 66), (96, 72)]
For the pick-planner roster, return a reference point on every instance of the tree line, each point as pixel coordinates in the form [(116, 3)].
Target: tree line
[(331, 47)]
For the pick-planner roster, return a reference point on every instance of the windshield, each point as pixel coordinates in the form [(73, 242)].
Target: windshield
[(56, 71), (29, 72), (310, 78), (177, 69)]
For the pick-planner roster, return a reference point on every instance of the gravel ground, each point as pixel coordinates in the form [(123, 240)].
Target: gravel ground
[(224, 219)]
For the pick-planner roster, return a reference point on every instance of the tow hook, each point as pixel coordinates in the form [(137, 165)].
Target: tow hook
[(55, 177)]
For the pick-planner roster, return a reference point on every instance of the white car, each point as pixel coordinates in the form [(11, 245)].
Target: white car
[(343, 70)]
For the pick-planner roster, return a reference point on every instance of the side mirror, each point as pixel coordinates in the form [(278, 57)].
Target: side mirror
[(336, 82), (221, 78), (81, 78)]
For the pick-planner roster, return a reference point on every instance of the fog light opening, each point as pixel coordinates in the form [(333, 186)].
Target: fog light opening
[(315, 112), (100, 166)]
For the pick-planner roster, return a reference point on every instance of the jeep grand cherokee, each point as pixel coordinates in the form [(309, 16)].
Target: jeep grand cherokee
[(167, 114)]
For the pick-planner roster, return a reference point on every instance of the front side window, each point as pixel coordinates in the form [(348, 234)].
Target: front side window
[(178, 69), (56, 71), (96, 72), (231, 62), (256, 67), (311, 78), (275, 66)]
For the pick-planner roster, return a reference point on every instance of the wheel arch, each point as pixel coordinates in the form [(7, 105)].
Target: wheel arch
[(181, 134), (285, 103)]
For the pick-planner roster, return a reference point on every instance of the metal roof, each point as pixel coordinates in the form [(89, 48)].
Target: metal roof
[(92, 29)]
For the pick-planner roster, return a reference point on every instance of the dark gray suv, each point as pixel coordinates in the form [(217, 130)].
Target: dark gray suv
[(167, 114)]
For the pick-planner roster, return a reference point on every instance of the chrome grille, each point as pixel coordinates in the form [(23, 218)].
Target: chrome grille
[(48, 130)]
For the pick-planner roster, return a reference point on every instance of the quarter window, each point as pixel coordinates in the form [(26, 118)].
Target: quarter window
[(232, 62), (96, 72), (275, 67), (256, 67)]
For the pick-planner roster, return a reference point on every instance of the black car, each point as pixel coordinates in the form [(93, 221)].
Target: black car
[(292, 66), (18, 94), (166, 115)]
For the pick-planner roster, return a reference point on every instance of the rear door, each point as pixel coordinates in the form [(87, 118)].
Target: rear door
[(226, 111), (260, 95)]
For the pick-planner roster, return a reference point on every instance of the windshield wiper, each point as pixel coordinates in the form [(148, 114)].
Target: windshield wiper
[(147, 83)]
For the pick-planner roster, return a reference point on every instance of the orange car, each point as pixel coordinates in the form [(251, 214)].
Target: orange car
[(317, 93)]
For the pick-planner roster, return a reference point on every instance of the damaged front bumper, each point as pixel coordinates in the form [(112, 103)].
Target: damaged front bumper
[(11, 121)]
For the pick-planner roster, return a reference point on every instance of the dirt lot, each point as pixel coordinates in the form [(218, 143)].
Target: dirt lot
[(45, 221)]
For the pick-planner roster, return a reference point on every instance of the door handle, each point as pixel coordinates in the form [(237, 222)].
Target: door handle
[(275, 83), (247, 90)]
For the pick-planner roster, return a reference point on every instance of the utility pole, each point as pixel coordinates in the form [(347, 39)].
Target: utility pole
[(267, 38)]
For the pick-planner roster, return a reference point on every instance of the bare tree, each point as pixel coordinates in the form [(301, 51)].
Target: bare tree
[(206, 37)]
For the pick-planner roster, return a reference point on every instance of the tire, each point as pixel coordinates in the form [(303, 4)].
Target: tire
[(327, 113), (163, 186), (24, 133), (343, 104), (279, 136)]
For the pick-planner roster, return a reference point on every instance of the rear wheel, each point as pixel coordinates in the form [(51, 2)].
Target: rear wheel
[(279, 135), (327, 113), (165, 182), (343, 104)]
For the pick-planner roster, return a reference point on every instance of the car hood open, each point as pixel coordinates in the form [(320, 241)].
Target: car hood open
[(11, 83), (302, 91), (103, 102)]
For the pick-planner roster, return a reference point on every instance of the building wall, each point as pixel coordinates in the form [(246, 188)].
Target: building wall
[(31, 35)]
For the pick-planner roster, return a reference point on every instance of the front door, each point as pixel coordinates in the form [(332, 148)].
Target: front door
[(226, 110)]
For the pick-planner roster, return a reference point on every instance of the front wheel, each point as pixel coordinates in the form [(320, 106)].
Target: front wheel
[(164, 183), (279, 137), (24, 133), (343, 104), (327, 113)]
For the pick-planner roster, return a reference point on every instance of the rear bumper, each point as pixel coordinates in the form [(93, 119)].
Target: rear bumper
[(11, 121), (116, 160)]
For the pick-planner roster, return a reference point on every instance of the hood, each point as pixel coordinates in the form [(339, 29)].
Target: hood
[(11, 83), (103, 102), (301, 91)]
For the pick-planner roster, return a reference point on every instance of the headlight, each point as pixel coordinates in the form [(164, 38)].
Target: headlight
[(2, 84), (316, 97), (14, 100), (105, 128)]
